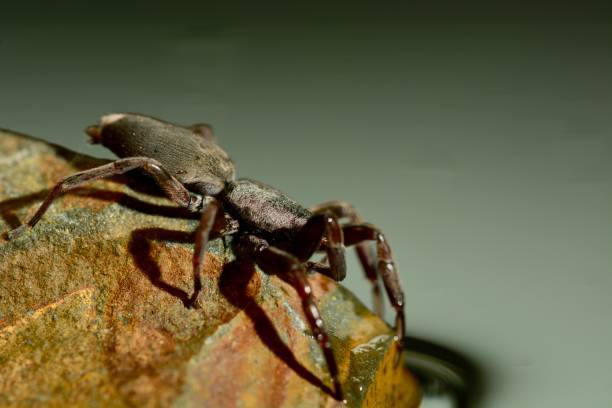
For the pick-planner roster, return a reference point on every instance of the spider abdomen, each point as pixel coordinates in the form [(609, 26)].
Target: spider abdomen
[(199, 164)]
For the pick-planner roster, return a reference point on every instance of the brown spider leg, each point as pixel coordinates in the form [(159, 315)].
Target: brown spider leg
[(309, 238), (357, 233), (171, 186), (276, 261), (203, 129), (342, 209), (207, 221), (318, 267)]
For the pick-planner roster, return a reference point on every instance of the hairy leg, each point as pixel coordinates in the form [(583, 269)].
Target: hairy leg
[(342, 209), (324, 227), (357, 233), (277, 261), (171, 186)]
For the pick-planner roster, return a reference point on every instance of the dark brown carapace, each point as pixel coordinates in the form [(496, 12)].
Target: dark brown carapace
[(271, 229)]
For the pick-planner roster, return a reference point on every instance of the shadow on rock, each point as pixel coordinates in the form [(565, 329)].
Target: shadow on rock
[(141, 249), (236, 285), (9, 206)]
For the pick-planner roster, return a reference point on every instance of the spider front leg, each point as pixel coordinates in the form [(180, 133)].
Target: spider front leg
[(342, 209), (170, 185), (308, 240), (357, 233), (277, 261)]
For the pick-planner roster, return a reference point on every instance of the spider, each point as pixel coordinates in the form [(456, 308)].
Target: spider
[(271, 229)]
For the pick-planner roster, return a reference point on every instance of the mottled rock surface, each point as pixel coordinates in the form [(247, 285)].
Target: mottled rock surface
[(92, 307)]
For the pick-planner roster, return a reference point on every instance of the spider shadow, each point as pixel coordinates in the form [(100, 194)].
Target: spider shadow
[(140, 248), (233, 285)]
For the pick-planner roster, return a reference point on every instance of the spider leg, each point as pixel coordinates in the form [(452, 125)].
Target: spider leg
[(207, 221), (277, 261), (342, 209), (308, 240), (357, 233), (170, 185), (203, 129)]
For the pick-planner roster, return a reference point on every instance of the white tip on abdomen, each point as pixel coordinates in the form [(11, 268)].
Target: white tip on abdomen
[(111, 118)]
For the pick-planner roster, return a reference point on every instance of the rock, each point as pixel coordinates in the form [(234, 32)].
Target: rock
[(92, 307)]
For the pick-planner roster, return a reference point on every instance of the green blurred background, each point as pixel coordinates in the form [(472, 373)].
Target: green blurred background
[(478, 137)]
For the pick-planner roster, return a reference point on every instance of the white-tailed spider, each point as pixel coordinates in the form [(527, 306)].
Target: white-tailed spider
[(273, 230)]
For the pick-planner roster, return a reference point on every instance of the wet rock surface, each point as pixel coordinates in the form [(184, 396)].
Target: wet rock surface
[(92, 307)]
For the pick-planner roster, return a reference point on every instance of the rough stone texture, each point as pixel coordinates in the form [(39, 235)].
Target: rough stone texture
[(92, 312)]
